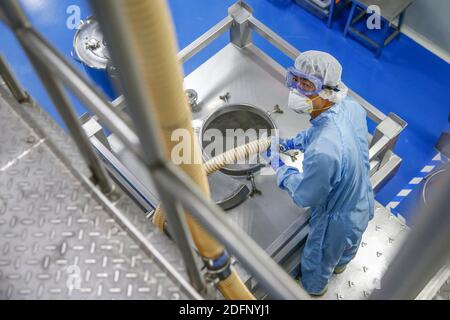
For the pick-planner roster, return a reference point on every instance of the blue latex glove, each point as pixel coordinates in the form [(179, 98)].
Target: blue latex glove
[(287, 144), (273, 158)]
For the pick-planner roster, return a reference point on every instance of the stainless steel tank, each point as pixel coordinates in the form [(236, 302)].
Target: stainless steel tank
[(237, 124)]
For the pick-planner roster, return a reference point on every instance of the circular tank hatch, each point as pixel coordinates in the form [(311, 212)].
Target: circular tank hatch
[(236, 125)]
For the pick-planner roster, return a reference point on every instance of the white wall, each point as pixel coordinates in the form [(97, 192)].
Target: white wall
[(428, 23)]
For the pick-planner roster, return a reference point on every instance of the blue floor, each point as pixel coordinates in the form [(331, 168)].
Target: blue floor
[(408, 80)]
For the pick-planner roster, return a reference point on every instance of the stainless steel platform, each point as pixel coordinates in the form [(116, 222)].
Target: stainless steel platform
[(58, 239)]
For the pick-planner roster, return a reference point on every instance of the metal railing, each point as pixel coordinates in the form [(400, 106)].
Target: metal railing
[(52, 67), (11, 82), (56, 73), (241, 28)]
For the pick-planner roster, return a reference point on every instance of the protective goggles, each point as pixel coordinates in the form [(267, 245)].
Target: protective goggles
[(304, 83)]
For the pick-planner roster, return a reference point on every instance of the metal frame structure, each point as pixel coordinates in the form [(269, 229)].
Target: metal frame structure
[(171, 182), (241, 24)]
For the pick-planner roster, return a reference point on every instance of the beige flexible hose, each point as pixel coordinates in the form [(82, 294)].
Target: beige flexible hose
[(231, 156), (231, 289), (217, 163), (153, 41)]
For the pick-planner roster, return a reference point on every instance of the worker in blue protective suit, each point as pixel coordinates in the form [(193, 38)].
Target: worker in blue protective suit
[(335, 180)]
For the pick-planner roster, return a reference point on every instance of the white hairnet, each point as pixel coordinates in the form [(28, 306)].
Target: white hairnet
[(325, 67)]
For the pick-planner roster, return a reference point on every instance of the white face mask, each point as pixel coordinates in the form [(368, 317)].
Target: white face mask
[(300, 103)]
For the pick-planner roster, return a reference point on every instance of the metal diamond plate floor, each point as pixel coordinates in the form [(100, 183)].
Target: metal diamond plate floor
[(57, 240)]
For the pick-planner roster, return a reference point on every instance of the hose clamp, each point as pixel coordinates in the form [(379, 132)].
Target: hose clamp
[(218, 269)]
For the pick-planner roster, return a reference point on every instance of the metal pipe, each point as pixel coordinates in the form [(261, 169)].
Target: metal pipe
[(205, 39), (14, 15), (271, 276), (11, 82), (56, 90), (144, 41), (57, 93), (273, 38), (137, 102), (179, 232), (139, 107), (425, 251)]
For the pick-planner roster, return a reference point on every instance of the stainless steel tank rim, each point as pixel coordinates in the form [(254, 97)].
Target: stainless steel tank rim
[(221, 110), (92, 60)]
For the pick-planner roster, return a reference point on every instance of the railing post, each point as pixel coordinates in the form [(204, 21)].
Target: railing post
[(11, 82), (240, 31)]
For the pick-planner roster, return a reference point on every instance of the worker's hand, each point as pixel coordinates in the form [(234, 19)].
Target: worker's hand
[(272, 155), (286, 145)]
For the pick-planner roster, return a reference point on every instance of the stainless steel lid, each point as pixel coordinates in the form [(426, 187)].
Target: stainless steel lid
[(89, 45)]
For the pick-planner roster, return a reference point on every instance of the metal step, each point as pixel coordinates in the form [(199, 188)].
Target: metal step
[(59, 237)]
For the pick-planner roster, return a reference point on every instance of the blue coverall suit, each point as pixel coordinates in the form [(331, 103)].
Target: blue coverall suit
[(335, 184)]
